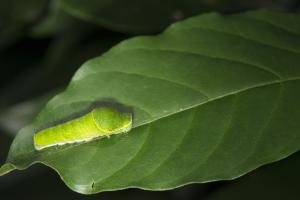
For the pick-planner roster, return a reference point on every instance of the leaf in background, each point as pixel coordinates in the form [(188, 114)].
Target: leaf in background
[(55, 22), (132, 16), (213, 97), (66, 52), (58, 23), (16, 117), (15, 15)]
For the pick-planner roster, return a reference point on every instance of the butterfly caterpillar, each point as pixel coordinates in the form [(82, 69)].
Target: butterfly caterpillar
[(99, 122)]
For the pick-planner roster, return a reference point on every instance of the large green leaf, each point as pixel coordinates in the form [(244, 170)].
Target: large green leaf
[(138, 16), (213, 97)]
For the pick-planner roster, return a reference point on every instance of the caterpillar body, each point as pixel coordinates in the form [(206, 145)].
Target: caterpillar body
[(103, 121)]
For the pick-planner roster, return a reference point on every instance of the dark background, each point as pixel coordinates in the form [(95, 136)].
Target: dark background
[(37, 60)]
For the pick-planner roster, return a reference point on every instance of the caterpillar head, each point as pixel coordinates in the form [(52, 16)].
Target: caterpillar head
[(109, 120)]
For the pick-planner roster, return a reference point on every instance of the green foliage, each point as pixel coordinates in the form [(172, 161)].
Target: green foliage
[(15, 15), (134, 16), (214, 97)]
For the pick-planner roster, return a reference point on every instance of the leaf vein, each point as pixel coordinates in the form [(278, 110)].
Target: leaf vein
[(273, 24), (191, 120), (261, 67), (129, 160), (244, 37), (163, 79), (260, 133)]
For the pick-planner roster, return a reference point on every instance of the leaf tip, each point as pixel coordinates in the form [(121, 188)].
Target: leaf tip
[(6, 168)]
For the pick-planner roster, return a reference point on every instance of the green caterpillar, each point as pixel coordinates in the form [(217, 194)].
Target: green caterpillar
[(99, 122)]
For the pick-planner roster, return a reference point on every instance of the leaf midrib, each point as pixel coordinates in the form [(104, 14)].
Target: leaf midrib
[(223, 96)]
